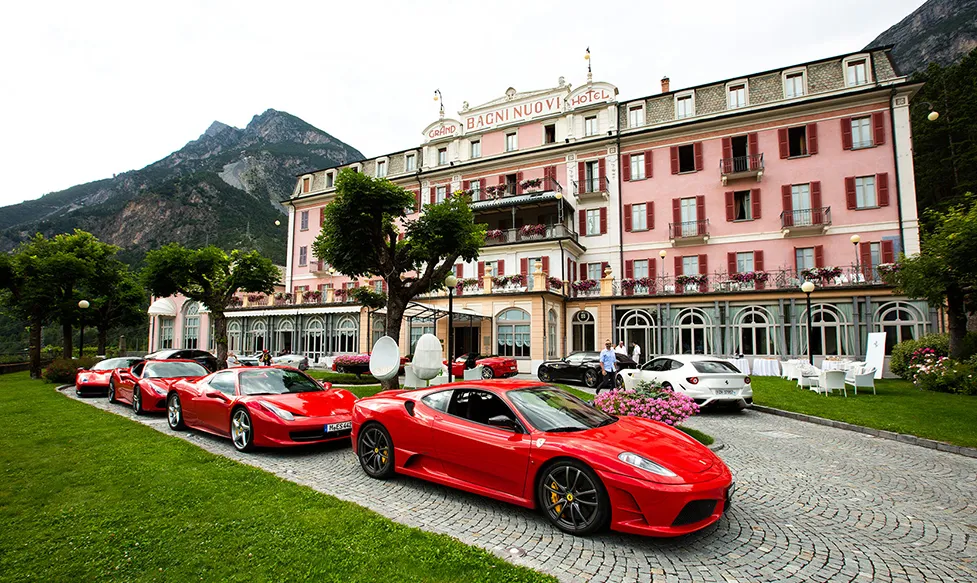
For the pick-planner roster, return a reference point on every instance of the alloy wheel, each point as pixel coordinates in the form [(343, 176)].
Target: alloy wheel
[(571, 499), (376, 451), (487, 372), (136, 400), (111, 394), (241, 429), (590, 379), (544, 375), (174, 412)]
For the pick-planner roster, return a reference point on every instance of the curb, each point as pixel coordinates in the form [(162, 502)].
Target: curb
[(881, 433), (717, 444)]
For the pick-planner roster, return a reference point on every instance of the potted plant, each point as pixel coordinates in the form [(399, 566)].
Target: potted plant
[(537, 230), (497, 234), (312, 297), (532, 183)]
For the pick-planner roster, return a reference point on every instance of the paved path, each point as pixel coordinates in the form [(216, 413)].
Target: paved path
[(813, 503)]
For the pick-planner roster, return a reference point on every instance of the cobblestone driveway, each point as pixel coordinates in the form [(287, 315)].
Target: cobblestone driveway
[(812, 503)]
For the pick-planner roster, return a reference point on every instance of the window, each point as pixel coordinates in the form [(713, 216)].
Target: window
[(757, 334), (513, 331), (875, 256), (442, 156), (478, 406), (638, 326), (590, 126), (794, 85), (510, 142), (381, 168), (476, 149), (686, 158), (313, 339), (690, 219), (801, 204), (856, 72), (549, 134), (804, 257), (165, 333), (476, 188), (438, 401), (223, 382), (584, 331), (636, 116), (797, 141), (744, 262), (737, 95), (440, 194), (640, 268), (684, 106), (742, 206), (306, 184), (593, 222), (594, 271), (303, 255), (286, 331), (346, 335), (234, 336), (865, 192), (900, 321), (639, 217), (637, 166), (690, 265), (410, 162), (695, 331), (191, 325), (257, 337), (861, 132), (304, 221), (330, 179), (418, 328), (830, 331), (591, 177), (551, 334)]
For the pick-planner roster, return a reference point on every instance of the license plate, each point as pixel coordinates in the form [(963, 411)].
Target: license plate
[(343, 426), (725, 392)]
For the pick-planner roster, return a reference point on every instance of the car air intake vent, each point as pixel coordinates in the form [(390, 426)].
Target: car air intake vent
[(409, 405), (695, 511)]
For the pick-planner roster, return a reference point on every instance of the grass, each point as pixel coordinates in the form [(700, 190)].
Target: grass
[(898, 407), (339, 378), (86, 495)]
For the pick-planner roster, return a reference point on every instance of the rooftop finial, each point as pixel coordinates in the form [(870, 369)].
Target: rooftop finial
[(590, 73), (438, 97)]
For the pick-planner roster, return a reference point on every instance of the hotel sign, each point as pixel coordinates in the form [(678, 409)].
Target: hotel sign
[(514, 113)]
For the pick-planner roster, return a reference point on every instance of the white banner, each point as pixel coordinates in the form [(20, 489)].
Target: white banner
[(875, 352)]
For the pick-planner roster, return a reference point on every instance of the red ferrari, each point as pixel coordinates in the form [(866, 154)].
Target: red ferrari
[(538, 446), (96, 379), (261, 407), (493, 366), (145, 385)]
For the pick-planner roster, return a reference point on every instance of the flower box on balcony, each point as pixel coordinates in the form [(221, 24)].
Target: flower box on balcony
[(533, 231)]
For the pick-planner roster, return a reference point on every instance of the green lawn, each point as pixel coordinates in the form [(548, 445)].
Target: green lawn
[(86, 495), (898, 407)]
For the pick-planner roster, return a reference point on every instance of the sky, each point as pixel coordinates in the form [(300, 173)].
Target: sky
[(90, 89)]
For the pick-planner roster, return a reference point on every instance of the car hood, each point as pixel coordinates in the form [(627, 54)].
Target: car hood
[(94, 375), (166, 383), (314, 403)]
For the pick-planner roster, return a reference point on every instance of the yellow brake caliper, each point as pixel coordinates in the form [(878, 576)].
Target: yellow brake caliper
[(554, 498)]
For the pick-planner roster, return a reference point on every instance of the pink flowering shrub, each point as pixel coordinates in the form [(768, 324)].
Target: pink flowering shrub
[(932, 372), (351, 359), (648, 400)]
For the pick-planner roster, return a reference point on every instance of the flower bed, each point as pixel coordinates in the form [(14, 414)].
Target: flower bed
[(648, 400), (930, 371)]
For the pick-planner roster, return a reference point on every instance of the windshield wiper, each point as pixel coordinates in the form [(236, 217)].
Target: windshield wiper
[(565, 429), (606, 422)]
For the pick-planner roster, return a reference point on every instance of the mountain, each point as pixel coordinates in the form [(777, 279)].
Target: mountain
[(223, 188), (940, 31)]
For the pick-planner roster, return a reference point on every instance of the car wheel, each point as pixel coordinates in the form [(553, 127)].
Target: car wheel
[(111, 394), (667, 385), (544, 375), (590, 378), (573, 498), (487, 372), (242, 430), (136, 400), (174, 412), (376, 451), (619, 381)]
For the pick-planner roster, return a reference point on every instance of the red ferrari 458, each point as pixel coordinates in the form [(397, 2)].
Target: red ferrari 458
[(145, 385), (261, 407), (498, 367), (540, 447), (96, 379)]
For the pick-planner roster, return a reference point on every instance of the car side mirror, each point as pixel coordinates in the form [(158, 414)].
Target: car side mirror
[(212, 394), (503, 421), (326, 384)]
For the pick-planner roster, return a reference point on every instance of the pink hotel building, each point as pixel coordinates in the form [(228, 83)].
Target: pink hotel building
[(684, 221)]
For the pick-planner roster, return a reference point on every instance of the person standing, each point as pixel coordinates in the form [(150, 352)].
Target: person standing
[(608, 366), (636, 353), (621, 348), (265, 357)]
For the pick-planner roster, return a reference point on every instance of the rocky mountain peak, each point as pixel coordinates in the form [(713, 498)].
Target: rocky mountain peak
[(939, 31)]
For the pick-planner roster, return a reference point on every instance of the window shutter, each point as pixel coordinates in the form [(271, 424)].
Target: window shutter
[(581, 177), (603, 220), (500, 267), (816, 197), (583, 272), (432, 191), (819, 256), (865, 252), (501, 178), (730, 206), (878, 125), (459, 270), (650, 212), (697, 148), (602, 171), (447, 191), (518, 183), (788, 201), (673, 152), (417, 201), (727, 149), (703, 264), (784, 146), (524, 266), (466, 184), (812, 138), (481, 270), (583, 222), (677, 214), (850, 197), (627, 218), (629, 269), (700, 213), (888, 256), (649, 167), (678, 265), (754, 144), (322, 216), (758, 260), (569, 270), (882, 189), (755, 203), (846, 133), (626, 167), (603, 269), (546, 266), (796, 265), (652, 267), (731, 263)]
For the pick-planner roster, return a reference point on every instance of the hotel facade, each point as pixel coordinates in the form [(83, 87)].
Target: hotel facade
[(684, 222)]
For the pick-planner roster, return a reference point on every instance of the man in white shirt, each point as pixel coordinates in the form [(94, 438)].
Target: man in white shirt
[(635, 352), (621, 348)]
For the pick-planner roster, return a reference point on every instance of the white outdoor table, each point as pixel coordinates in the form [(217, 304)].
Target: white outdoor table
[(766, 367), (742, 364)]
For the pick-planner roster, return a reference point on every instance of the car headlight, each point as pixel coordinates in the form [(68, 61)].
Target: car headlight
[(283, 414), (645, 464), (159, 391)]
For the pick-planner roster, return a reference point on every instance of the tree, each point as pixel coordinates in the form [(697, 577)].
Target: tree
[(360, 237), (27, 281), (944, 273), (117, 299), (209, 276)]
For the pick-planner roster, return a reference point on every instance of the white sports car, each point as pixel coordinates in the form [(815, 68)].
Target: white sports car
[(708, 380)]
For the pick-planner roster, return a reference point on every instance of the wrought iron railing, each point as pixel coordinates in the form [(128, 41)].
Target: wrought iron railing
[(528, 233), (688, 229), (806, 217), (590, 185), (750, 163), (530, 186)]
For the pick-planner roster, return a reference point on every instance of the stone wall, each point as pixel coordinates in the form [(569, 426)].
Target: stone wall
[(766, 88), (825, 77), (710, 99)]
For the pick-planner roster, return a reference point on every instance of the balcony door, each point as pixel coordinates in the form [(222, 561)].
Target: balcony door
[(592, 175), (801, 201), (690, 218), (741, 153)]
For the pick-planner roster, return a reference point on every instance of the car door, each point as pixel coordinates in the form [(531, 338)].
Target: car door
[(212, 404), (569, 369), (474, 452), (127, 380)]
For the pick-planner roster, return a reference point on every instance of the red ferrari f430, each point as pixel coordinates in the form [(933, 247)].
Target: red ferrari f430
[(145, 385)]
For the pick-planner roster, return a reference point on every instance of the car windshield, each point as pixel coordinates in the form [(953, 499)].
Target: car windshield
[(553, 409), (113, 363), (714, 366), (171, 370), (276, 381)]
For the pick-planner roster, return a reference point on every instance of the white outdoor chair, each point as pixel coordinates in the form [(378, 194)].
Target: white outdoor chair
[(832, 380), (861, 377), (808, 377), (474, 374), (785, 369)]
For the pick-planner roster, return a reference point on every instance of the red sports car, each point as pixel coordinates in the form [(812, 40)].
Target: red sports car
[(493, 366), (145, 385), (537, 446), (96, 379), (261, 407)]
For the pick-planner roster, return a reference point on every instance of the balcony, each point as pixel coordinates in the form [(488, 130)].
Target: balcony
[(527, 234), (528, 192), (689, 232), (803, 222), (593, 188), (741, 167)]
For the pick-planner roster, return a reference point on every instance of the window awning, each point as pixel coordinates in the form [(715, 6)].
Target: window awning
[(509, 201), (162, 307), (304, 311), (419, 310)]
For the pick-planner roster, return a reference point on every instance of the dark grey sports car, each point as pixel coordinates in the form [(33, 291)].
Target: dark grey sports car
[(579, 368)]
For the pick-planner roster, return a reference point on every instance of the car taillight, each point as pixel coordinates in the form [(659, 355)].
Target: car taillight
[(746, 380), (693, 380)]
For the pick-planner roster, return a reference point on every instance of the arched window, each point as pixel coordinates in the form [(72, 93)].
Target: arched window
[(313, 339), (900, 321), (694, 332), (551, 332), (257, 337), (234, 336), (513, 333), (755, 332), (379, 328), (638, 326), (830, 331), (419, 327), (584, 331), (191, 324), (285, 333), (346, 337)]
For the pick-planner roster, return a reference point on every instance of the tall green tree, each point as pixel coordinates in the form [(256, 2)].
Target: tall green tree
[(945, 273), (28, 279), (360, 237), (210, 276), (117, 299)]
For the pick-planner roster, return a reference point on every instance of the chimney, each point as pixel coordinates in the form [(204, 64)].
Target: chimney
[(664, 84)]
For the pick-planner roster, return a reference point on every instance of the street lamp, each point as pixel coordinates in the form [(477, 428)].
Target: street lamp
[(662, 254), (278, 223), (451, 281), (559, 207), (83, 304), (807, 287), (854, 241)]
